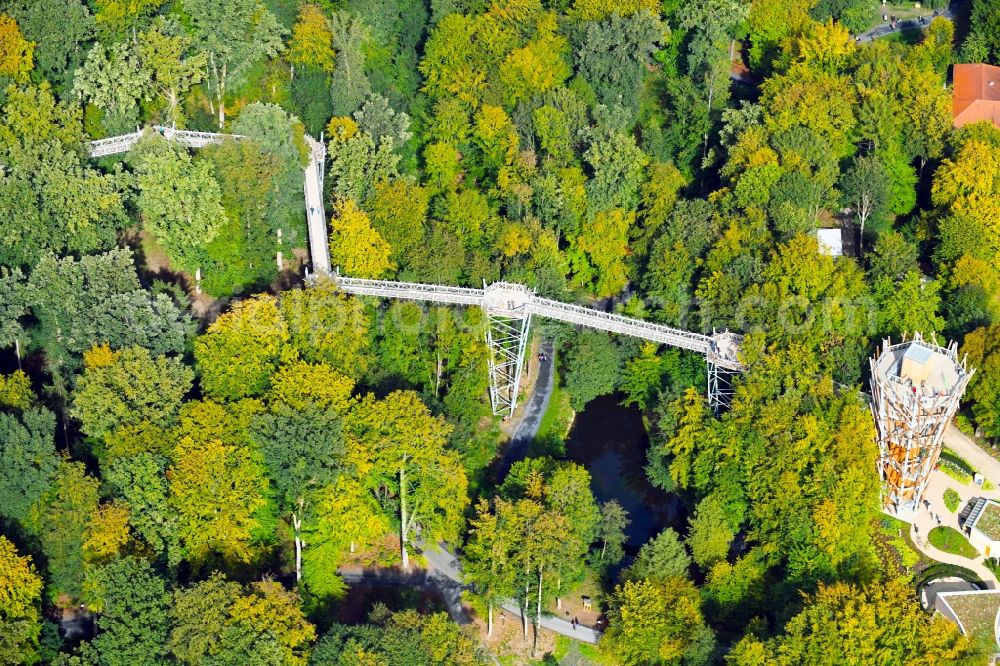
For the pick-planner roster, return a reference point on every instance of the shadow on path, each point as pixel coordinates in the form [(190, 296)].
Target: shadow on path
[(531, 419)]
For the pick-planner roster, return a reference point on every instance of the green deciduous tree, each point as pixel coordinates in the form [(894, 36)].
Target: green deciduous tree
[(865, 187), (414, 475), (20, 593), (358, 164), (115, 81), (592, 366), (235, 36), (128, 387), (140, 480), (611, 532), (133, 605), (55, 200), (165, 53), (58, 28), (179, 198), (27, 444), (302, 450), (59, 519)]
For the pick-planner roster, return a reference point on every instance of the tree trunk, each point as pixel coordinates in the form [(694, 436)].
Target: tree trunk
[(297, 526), (604, 547), (222, 99), (489, 620), (538, 613), (524, 609), (402, 518), (437, 379)]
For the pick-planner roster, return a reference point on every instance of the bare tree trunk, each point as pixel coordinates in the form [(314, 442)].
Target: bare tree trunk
[(402, 518), (524, 609), (437, 380), (297, 526), (222, 99), (538, 613), (489, 620)]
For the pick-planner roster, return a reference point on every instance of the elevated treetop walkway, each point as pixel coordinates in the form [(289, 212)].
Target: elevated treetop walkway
[(509, 306), (116, 145)]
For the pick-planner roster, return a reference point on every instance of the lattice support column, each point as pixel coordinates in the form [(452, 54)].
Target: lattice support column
[(720, 388), (507, 338)]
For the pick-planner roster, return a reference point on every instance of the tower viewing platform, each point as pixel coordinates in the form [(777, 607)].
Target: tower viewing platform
[(916, 387)]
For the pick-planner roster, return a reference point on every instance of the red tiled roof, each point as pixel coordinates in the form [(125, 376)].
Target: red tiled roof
[(976, 94)]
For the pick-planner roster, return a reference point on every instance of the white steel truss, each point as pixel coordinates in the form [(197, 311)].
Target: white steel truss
[(507, 338), (115, 145), (720, 387), (510, 307)]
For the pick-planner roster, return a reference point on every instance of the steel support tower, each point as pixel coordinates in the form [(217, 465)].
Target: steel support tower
[(510, 307), (916, 387)]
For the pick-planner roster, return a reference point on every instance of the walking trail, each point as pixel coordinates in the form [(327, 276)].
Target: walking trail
[(924, 522), (534, 410), (884, 29)]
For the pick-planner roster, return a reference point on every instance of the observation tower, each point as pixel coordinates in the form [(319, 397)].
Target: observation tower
[(916, 386)]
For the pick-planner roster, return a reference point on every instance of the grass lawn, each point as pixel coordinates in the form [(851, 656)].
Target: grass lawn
[(574, 652), (910, 36), (951, 541), (555, 424)]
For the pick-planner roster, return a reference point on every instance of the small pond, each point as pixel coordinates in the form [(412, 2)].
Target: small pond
[(610, 441)]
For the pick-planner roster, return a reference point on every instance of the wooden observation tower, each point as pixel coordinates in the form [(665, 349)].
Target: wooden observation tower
[(916, 386)]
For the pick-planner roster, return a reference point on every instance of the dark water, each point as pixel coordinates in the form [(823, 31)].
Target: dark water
[(611, 441)]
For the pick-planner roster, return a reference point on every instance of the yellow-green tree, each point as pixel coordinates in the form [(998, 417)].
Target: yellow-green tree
[(20, 592), (215, 489), (600, 250), (538, 66), (16, 52), (242, 349), (302, 384), (127, 387), (271, 609), (325, 326), (355, 246), (344, 517), (846, 624), (312, 41), (107, 533), (656, 622), (596, 10), (413, 473)]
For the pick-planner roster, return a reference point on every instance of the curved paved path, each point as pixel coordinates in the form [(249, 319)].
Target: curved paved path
[(445, 563), (534, 410), (923, 523), (883, 29)]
